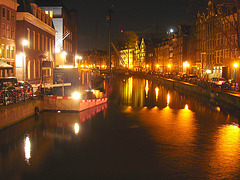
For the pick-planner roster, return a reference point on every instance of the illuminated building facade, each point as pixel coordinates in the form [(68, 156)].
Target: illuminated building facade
[(36, 58), (134, 58), (217, 41), (65, 22), (7, 37)]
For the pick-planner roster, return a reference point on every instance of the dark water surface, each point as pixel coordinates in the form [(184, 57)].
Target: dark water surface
[(146, 131)]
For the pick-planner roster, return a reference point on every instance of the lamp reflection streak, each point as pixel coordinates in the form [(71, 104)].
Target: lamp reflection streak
[(146, 88), (76, 128), (168, 99), (27, 149), (157, 91)]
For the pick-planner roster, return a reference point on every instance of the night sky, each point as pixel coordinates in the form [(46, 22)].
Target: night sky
[(129, 15)]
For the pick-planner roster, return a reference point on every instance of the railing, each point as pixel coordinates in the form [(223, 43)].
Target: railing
[(14, 95)]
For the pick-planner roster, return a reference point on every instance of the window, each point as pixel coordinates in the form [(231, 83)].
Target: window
[(38, 39), (3, 30), (51, 14), (28, 36), (3, 12), (34, 68), (46, 44), (12, 33), (42, 42), (8, 15), (8, 32), (50, 47), (39, 68), (82, 77), (3, 50), (13, 16), (8, 51), (53, 46), (34, 41), (12, 53), (29, 70)]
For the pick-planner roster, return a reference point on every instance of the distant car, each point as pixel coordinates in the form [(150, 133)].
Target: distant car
[(216, 82)]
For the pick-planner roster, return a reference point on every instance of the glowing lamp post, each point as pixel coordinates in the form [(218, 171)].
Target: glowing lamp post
[(235, 65), (24, 43), (169, 66), (78, 58)]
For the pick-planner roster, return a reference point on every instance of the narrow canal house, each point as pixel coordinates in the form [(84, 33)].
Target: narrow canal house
[(7, 37), (217, 40)]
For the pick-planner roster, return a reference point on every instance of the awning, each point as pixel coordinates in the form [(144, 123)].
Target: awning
[(4, 65)]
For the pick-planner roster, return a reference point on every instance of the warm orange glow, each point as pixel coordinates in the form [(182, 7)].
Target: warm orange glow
[(156, 90), (157, 65), (218, 109), (186, 107), (168, 99), (146, 88), (225, 154), (27, 149), (169, 65), (186, 64), (147, 65), (235, 65)]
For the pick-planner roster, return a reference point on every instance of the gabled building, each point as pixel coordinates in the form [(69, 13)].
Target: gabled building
[(35, 39), (7, 37), (65, 22), (217, 46)]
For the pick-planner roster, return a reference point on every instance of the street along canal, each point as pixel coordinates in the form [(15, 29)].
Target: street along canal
[(145, 131)]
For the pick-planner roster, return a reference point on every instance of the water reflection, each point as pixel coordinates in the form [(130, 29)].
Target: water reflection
[(146, 88), (225, 155), (168, 99), (76, 128), (156, 90), (27, 149)]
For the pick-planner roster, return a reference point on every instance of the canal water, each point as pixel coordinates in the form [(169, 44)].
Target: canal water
[(146, 131)]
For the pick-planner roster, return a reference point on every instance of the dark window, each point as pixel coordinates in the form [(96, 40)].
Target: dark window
[(3, 12), (8, 15)]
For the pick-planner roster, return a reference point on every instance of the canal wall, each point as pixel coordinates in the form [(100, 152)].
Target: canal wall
[(65, 104), (14, 113), (215, 94)]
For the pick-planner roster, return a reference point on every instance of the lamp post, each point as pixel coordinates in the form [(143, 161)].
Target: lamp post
[(24, 43), (235, 65), (169, 66), (78, 58)]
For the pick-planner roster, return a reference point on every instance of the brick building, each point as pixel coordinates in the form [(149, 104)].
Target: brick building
[(65, 22), (36, 58), (7, 37)]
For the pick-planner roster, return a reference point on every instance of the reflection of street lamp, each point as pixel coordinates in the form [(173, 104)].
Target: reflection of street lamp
[(186, 65), (235, 65), (24, 43)]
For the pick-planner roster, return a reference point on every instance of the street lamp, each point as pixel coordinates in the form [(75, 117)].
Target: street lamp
[(78, 58), (169, 66), (24, 43), (235, 65)]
